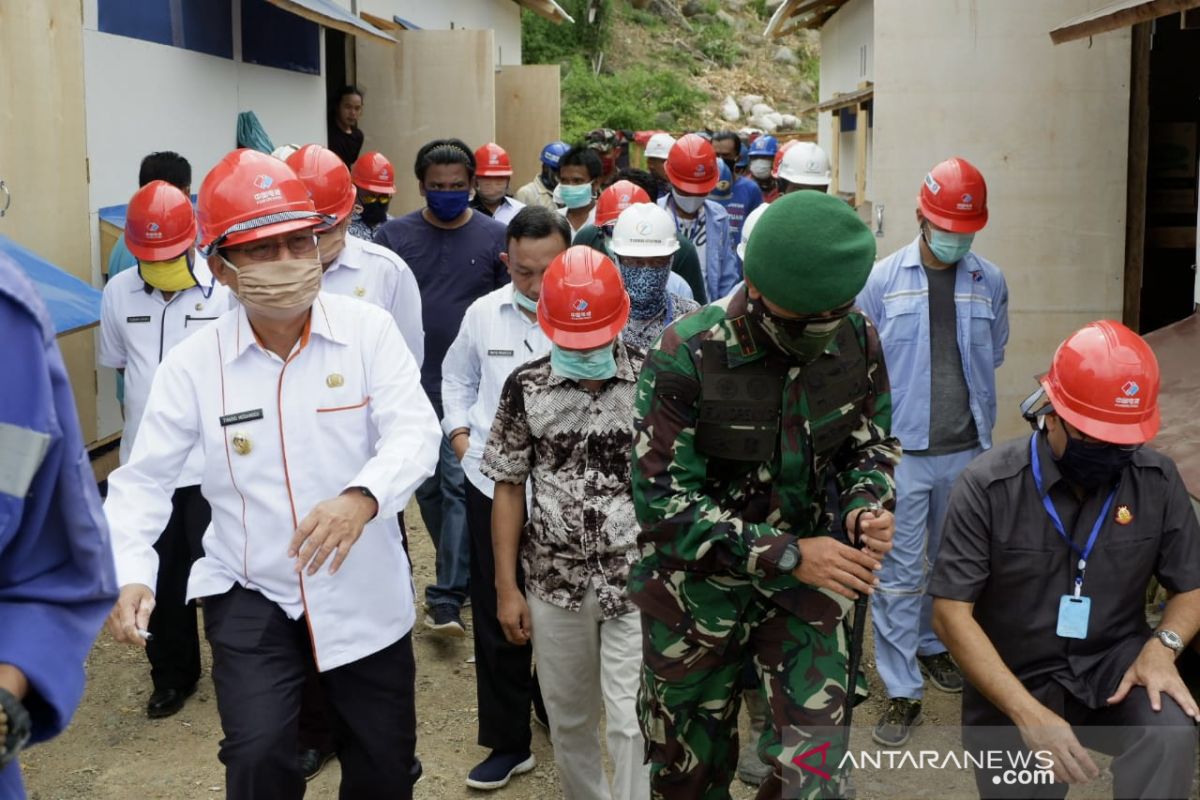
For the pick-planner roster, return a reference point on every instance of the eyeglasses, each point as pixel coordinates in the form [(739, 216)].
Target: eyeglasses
[(300, 245), (375, 198)]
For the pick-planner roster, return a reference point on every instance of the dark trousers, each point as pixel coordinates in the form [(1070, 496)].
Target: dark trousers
[(503, 684), (261, 660), (1154, 751), (174, 646)]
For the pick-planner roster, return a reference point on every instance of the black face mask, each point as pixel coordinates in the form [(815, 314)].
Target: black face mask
[(549, 177), (1092, 466), (374, 213), (732, 164)]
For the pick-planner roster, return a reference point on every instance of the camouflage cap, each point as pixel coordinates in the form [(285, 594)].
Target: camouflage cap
[(809, 253)]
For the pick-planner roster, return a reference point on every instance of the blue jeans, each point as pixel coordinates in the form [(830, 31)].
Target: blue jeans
[(443, 503), (901, 611)]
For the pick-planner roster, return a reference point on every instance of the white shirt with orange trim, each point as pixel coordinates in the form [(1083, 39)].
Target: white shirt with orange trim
[(279, 436), (373, 273)]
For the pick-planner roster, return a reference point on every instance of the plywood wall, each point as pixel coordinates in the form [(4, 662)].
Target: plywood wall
[(528, 110), (429, 85), (43, 156)]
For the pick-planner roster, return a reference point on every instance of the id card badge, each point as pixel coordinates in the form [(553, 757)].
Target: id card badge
[(1073, 613)]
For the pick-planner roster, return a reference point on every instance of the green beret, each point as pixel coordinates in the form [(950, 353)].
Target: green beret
[(809, 253)]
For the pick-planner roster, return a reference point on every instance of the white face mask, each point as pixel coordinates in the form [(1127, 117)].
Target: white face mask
[(760, 168), (687, 203)]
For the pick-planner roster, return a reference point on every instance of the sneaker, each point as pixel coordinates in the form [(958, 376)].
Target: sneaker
[(942, 672), (444, 620), (312, 761), (495, 771), (898, 720)]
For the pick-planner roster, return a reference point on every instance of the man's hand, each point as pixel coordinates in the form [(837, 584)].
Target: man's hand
[(1046, 731), (131, 614), (878, 528), (1155, 669), (513, 613), (334, 525), (826, 562), (460, 443)]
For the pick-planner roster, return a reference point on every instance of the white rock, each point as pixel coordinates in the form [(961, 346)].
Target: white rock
[(748, 101), (774, 120), (765, 123), (729, 110), (758, 109), (790, 122), (784, 55)]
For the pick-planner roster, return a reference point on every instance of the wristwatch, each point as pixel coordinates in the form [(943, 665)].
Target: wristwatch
[(789, 560), (15, 727), (1171, 639)]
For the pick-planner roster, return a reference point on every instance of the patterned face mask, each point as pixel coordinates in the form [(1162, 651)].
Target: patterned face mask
[(803, 340), (647, 288)]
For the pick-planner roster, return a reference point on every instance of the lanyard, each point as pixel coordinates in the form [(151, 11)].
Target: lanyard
[(1048, 504)]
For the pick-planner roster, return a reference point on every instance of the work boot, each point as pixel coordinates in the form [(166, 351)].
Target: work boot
[(750, 768), (942, 672), (899, 718)]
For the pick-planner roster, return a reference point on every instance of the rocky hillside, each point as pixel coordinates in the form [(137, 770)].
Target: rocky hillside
[(676, 64)]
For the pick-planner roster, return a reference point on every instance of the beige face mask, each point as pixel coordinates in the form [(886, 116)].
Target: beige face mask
[(331, 244), (278, 289)]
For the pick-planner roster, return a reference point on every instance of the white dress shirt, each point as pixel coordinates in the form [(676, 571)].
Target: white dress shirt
[(591, 220), (507, 209), (280, 436), (138, 328), (375, 274), (495, 338)]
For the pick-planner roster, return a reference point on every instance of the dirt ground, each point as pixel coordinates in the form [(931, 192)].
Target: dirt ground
[(113, 752)]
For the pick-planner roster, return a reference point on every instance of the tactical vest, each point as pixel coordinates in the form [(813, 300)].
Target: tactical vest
[(741, 407)]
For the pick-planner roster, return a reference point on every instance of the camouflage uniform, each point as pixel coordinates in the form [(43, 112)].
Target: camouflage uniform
[(713, 529)]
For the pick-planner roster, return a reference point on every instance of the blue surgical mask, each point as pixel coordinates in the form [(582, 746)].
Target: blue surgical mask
[(575, 196), (599, 364), (447, 206), (948, 248), (524, 302)]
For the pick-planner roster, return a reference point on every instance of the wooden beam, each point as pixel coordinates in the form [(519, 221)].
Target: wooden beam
[(835, 155), (1136, 172), (1121, 14), (860, 154)]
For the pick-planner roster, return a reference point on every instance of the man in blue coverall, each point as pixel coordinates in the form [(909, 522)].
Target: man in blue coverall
[(56, 569)]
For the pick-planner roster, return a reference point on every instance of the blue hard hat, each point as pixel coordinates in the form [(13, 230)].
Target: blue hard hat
[(552, 152), (765, 146), (723, 191), (744, 159)]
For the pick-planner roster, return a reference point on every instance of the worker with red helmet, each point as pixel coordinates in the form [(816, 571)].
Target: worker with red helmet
[(563, 422), (352, 266), (493, 174), (1049, 544), (942, 314), (313, 431), (375, 181), (144, 314), (692, 171)]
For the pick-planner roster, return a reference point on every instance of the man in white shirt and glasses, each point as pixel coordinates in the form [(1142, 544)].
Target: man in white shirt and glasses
[(315, 432)]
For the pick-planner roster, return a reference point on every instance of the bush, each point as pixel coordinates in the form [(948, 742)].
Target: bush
[(631, 100), (544, 42), (716, 41)]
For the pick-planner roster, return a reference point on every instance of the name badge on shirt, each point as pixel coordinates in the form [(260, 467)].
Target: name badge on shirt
[(1073, 613), (138, 319), (241, 416), (500, 353)]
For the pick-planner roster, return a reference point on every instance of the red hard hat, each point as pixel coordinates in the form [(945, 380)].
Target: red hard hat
[(1104, 381), (954, 197), (250, 195), (373, 173), (615, 199), (583, 303), (327, 179), (783, 148), (491, 161), (159, 223), (692, 164)]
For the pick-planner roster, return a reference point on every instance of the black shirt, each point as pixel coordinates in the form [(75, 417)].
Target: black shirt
[(346, 145), (1001, 551)]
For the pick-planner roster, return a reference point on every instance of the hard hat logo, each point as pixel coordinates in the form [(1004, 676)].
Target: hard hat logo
[(701, 170), (933, 185), (643, 228), (1130, 389), (383, 175), (580, 305), (263, 182), (152, 231)]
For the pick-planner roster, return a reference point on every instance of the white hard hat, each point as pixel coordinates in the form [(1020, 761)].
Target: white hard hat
[(805, 163), (644, 231), (748, 226), (659, 145), (284, 150)]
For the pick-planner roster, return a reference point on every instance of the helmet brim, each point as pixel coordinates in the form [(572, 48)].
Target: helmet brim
[(267, 231), (971, 224), (1112, 432), (376, 188)]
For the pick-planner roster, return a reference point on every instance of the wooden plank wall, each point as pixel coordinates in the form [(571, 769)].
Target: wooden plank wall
[(528, 110)]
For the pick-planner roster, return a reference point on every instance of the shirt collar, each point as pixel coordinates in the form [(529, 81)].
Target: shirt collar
[(910, 256), (351, 249), (318, 324), (625, 368), (1049, 465)]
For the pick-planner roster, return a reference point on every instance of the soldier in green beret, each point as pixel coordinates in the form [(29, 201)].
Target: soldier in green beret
[(762, 436)]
